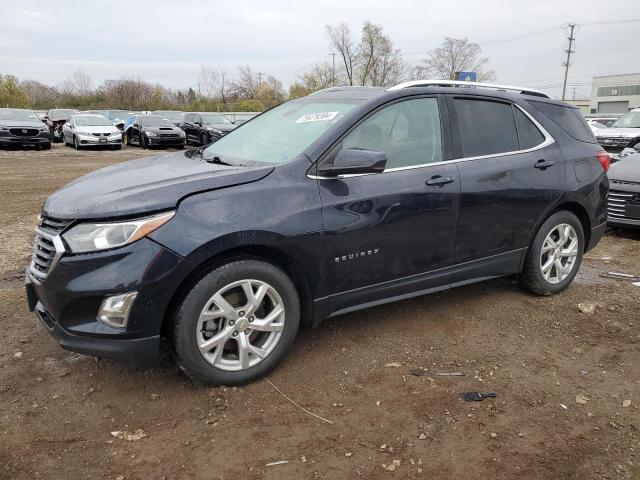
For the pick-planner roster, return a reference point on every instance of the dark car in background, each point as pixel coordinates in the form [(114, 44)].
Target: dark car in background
[(203, 128), (624, 196), (154, 131), (338, 201), (173, 116), (55, 119), (118, 118), (23, 127)]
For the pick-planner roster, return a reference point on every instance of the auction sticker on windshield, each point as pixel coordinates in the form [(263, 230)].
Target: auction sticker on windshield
[(317, 117)]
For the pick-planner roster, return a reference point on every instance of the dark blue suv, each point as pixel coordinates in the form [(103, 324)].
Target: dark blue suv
[(345, 199)]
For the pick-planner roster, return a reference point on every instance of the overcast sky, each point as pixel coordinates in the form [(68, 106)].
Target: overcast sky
[(166, 41)]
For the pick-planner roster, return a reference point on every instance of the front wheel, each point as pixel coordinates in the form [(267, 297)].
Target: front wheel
[(76, 145), (236, 323), (555, 255), (142, 141)]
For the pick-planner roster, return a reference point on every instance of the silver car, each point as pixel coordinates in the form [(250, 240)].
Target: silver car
[(85, 130)]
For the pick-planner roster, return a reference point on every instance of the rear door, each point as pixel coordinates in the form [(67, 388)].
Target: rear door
[(385, 232), (511, 174)]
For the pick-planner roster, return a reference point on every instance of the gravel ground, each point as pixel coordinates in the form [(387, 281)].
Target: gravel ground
[(540, 355)]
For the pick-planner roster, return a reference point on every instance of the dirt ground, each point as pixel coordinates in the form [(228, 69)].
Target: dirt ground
[(58, 409)]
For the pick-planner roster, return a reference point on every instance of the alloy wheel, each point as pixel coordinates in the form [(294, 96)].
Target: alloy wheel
[(559, 253), (240, 325)]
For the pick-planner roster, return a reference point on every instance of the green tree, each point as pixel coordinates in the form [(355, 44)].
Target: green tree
[(11, 93)]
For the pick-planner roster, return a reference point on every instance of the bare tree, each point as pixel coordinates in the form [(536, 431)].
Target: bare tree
[(341, 41), (453, 56), (213, 83), (379, 64), (79, 83), (318, 77), (247, 84)]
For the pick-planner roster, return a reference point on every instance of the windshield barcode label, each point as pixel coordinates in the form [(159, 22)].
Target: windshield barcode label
[(317, 117)]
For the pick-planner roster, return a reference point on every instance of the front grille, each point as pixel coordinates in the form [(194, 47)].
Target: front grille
[(47, 246), (614, 142), (620, 205), (100, 134), (170, 135), (24, 132)]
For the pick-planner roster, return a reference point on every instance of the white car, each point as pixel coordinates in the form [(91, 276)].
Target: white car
[(85, 130), (623, 133)]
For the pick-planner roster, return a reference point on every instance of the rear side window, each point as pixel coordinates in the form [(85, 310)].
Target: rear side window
[(528, 133), (486, 127), (567, 118)]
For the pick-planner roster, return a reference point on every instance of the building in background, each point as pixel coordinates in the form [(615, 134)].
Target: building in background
[(583, 105), (615, 93)]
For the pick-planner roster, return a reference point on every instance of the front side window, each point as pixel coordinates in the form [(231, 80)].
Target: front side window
[(486, 127), (628, 120), (408, 132), (282, 133)]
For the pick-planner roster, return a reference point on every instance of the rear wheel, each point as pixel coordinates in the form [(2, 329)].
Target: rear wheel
[(555, 255), (236, 323)]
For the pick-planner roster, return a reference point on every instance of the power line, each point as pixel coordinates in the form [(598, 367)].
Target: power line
[(522, 36)]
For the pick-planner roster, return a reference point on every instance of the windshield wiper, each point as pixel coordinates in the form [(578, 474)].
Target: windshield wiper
[(217, 160)]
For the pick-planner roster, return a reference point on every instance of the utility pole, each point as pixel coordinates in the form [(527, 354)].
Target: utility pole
[(568, 51), (259, 87), (333, 68), (574, 93)]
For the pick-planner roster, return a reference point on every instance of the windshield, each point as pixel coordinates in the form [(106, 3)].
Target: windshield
[(155, 121), (173, 116), (61, 113), (213, 118), (628, 120), (18, 115), (119, 114), (91, 121), (282, 133)]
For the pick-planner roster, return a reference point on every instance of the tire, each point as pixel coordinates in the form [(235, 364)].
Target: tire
[(76, 145), (47, 146), (226, 367), (204, 138), (125, 138), (117, 147), (142, 141), (557, 277)]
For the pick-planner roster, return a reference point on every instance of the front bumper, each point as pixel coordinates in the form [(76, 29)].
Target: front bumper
[(40, 139), (165, 142), (86, 140), (68, 299)]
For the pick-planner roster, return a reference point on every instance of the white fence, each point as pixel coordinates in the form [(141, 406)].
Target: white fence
[(234, 116)]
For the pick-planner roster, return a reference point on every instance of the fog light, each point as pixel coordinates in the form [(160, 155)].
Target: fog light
[(114, 310)]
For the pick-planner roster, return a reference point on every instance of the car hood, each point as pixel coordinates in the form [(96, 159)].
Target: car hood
[(223, 127), (97, 129), (143, 186), (627, 169), (21, 123), (618, 132), (160, 130)]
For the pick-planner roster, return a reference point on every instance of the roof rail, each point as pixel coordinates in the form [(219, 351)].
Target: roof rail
[(458, 83)]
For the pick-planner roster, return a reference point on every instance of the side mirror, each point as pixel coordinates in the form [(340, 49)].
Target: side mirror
[(198, 123), (352, 161)]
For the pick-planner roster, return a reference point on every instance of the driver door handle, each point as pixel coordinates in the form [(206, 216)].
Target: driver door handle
[(439, 181), (542, 164)]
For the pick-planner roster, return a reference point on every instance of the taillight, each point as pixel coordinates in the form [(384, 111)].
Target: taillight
[(604, 159)]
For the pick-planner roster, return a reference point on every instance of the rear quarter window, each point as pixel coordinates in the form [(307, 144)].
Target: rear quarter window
[(568, 119)]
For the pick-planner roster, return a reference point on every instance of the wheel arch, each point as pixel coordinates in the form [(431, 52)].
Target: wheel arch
[(273, 255)]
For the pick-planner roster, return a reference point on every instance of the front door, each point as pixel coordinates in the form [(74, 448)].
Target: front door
[(511, 173), (384, 233)]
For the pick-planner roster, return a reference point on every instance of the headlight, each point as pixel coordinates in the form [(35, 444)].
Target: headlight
[(115, 134), (150, 134), (90, 237), (42, 129), (214, 130)]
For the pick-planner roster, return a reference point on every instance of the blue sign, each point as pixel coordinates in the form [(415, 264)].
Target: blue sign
[(468, 76)]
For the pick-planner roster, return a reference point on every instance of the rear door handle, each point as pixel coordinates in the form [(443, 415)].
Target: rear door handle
[(542, 164), (439, 181)]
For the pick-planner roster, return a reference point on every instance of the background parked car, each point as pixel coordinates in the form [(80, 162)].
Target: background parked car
[(154, 130), (118, 118), (623, 133), (623, 202), (56, 117), (86, 130), (606, 120), (22, 127), (173, 116), (203, 127)]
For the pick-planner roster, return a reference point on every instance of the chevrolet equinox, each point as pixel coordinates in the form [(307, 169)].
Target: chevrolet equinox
[(347, 198)]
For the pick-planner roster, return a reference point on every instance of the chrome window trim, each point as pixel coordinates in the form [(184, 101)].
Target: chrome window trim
[(36, 275), (548, 140)]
